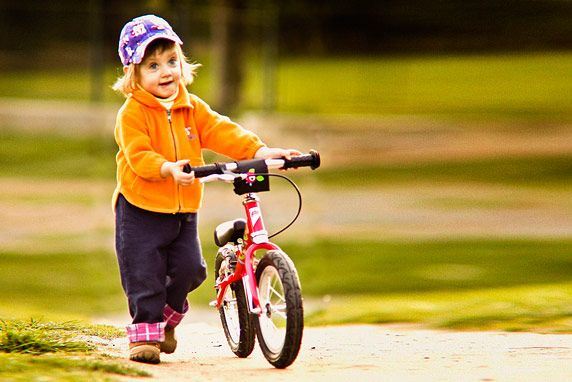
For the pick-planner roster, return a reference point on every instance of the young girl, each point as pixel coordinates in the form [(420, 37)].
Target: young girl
[(159, 129)]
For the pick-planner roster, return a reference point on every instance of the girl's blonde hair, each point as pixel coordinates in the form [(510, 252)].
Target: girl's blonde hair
[(127, 83)]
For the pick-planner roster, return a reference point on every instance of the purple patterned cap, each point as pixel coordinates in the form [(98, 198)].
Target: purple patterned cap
[(138, 33)]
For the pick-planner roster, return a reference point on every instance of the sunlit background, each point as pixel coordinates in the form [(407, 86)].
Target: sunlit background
[(445, 129)]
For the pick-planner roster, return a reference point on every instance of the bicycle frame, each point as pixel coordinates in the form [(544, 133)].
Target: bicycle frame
[(278, 305), (255, 238)]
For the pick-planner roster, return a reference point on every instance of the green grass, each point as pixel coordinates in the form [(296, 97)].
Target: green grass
[(422, 266), (36, 350), (476, 284), (461, 283), (68, 368), (92, 157), (527, 307), (545, 170), (59, 285), (482, 87), (50, 155), (38, 339)]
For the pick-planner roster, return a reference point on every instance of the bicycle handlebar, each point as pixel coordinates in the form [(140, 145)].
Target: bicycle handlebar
[(311, 160)]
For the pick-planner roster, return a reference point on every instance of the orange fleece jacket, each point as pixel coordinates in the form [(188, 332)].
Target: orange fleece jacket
[(148, 135)]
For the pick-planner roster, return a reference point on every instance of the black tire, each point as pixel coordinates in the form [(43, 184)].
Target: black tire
[(273, 266), (241, 340)]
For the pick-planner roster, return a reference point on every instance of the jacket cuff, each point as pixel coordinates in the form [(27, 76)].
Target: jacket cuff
[(254, 149), (156, 175)]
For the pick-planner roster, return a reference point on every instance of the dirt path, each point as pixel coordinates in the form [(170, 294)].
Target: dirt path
[(368, 353)]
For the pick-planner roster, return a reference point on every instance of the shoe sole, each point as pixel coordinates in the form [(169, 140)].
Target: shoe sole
[(145, 356)]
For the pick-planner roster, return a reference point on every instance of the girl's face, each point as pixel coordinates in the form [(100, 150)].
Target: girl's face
[(159, 73)]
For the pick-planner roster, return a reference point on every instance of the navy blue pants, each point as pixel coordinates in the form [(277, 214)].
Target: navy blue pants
[(159, 259)]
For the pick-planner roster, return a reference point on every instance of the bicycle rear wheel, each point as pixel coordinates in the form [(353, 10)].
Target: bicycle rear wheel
[(235, 318), (279, 328)]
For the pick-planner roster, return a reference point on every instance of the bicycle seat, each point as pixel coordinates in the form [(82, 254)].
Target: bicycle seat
[(229, 231)]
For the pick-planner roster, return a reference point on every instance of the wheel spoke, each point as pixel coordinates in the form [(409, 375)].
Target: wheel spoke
[(231, 314), (277, 294), (274, 282), (274, 336), (280, 298), (280, 310), (268, 288), (234, 311), (273, 324)]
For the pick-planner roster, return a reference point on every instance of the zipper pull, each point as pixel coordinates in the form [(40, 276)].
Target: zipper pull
[(169, 115)]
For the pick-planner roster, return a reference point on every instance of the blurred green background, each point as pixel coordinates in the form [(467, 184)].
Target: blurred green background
[(445, 131)]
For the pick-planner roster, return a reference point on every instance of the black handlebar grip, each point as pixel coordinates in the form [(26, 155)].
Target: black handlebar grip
[(202, 171), (311, 160)]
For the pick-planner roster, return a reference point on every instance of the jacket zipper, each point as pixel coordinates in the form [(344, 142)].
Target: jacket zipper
[(176, 156)]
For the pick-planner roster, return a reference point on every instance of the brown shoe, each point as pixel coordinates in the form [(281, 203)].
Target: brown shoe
[(147, 352), (170, 343)]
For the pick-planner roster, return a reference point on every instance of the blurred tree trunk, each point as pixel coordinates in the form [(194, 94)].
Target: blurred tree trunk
[(270, 55), (227, 59), (96, 50)]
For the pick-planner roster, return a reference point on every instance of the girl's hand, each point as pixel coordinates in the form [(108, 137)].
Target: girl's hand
[(175, 169), (275, 153)]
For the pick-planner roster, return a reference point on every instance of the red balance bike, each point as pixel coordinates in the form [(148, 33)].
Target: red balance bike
[(257, 294)]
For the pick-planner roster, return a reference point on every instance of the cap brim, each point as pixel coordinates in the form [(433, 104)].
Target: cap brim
[(140, 51)]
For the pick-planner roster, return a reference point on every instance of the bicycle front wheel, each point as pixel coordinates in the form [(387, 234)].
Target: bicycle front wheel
[(279, 328)]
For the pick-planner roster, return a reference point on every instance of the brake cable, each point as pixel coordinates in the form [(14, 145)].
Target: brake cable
[(299, 202)]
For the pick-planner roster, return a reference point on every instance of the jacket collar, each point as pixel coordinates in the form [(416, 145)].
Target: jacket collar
[(149, 100)]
